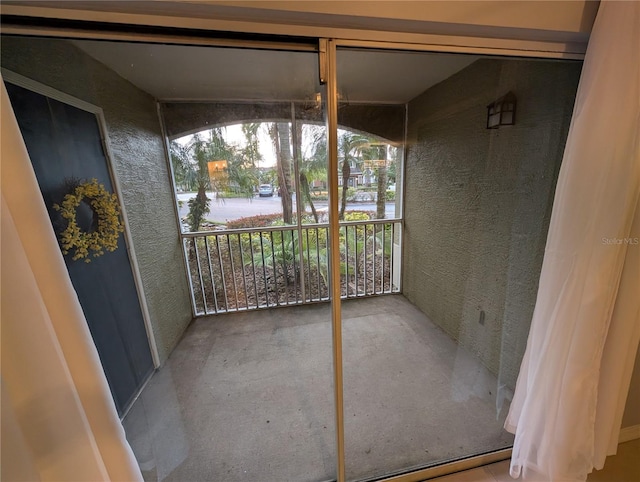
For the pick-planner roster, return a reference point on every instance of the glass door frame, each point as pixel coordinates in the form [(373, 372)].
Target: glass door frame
[(326, 49)]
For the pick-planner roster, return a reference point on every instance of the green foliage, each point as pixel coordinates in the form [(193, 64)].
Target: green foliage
[(279, 248), (357, 216), (190, 167), (381, 240), (259, 221), (351, 194)]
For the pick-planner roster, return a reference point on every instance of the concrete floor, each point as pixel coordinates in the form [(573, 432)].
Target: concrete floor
[(249, 396)]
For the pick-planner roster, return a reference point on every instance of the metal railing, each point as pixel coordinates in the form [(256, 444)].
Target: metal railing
[(246, 269)]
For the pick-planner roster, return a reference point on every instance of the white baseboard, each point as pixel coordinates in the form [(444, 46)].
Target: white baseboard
[(629, 433)]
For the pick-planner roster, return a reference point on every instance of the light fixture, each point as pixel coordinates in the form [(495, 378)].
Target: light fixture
[(502, 112)]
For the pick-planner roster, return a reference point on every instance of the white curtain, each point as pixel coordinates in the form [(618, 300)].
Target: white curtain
[(571, 390), (59, 421)]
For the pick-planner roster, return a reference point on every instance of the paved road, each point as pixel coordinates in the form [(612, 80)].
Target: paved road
[(234, 208)]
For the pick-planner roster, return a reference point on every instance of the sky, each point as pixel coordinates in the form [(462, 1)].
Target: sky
[(234, 136)]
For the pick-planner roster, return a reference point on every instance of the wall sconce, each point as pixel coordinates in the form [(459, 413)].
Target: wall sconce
[(502, 112)]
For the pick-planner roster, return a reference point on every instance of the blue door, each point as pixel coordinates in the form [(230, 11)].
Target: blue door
[(65, 144)]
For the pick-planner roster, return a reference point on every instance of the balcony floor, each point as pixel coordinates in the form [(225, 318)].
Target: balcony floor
[(249, 396)]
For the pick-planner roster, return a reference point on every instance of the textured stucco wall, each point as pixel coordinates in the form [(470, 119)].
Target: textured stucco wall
[(478, 201), (139, 164)]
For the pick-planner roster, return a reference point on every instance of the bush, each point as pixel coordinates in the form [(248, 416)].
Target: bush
[(357, 216), (259, 221)]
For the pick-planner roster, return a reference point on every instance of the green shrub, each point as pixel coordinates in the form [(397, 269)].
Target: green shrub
[(259, 221), (356, 216)]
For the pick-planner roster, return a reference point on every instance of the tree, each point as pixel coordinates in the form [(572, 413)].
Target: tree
[(377, 153), (381, 200), (281, 138), (306, 195), (252, 149), (184, 173), (350, 146), (244, 170), (192, 158), (199, 206), (313, 166), (242, 165), (242, 177)]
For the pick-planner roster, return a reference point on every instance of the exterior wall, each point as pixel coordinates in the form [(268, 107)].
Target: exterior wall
[(478, 202), (139, 164)]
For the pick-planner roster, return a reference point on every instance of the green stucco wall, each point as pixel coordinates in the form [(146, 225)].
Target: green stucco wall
[(139, 164), (478, 201)]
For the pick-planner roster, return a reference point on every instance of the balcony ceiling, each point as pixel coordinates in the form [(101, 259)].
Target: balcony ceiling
[(189, 73)]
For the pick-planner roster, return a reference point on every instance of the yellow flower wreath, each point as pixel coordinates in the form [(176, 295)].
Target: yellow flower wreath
[(107, 212)]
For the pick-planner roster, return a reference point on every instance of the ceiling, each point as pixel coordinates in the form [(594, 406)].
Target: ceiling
[(192, 73)]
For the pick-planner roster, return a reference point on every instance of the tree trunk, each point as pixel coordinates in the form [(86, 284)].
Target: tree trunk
[(346, 174), (382, 192), (304, 188), (198, 207), (282, 143)]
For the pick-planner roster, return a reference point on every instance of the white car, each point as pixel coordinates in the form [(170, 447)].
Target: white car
[(265, 190)]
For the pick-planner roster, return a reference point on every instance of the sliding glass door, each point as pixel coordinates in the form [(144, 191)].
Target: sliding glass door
[(246, 393), (429, 374), (339, 247)]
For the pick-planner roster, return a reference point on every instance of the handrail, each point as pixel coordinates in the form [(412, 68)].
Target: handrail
[(245, 269), (286, 227)]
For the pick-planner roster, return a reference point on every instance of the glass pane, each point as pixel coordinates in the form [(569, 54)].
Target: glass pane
[(243, 396), (429, 373)]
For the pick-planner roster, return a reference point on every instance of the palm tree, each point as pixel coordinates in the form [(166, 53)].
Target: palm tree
[(192, 159), (184, 173), (190, 164), (379, 152), (313, 166), (252, 148), (350, 146), (381, 200)]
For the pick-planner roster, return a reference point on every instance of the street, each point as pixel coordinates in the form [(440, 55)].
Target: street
[(224, 210)]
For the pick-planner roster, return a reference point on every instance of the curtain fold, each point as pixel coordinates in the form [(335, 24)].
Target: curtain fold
[(569, 398), (57, 412)]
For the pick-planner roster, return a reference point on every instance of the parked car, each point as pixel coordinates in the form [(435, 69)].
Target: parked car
[(265, 190)]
